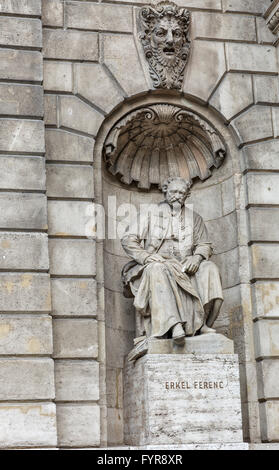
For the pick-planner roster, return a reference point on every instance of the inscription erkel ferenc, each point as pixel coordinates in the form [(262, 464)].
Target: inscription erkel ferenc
[(197, 385)]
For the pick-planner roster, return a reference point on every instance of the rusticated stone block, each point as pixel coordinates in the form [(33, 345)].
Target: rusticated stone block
[(23, 211), (78, 425), (26, 251), (75, 114), (77, 380), (264, 223), (74, 297), (72, 257), (24, 293), (50, 105), (233, 95), (262, 156), (27, 425), (75, 338), (223, 233), (268, 384), (23, 379), (275, 117), (21, 7), (23, 100), (104, 94), (64, 146), (246, 6), (254, 124), (228, 264), (21, 65), (70, 181), (25, 32), (269, 412), (18, 135), (22, 173), (266, 295), (25, 335), (267, 338), (71, 218), (52, 13), (73, 45), (118, 63), (265, 259), (266, 89), (265, 36), (251, 58), (226, 27), (99, 17), (205, 69), (263, 188), (58, 76)]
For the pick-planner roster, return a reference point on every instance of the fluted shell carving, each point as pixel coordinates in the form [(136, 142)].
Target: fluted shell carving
[(151, 144)]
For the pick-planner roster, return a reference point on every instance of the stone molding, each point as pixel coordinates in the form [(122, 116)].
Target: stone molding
[(272, 17)]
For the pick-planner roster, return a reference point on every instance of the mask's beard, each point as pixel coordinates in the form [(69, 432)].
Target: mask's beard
[(176, 207), (162, 59)]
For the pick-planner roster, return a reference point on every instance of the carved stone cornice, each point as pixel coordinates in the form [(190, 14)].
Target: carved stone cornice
[(153, 143), (272, 17)]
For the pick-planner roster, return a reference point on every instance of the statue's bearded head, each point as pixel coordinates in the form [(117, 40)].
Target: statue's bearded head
[(176, 190), (164, 35)]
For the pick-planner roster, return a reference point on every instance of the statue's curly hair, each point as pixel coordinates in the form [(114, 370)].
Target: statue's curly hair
[(166, 183)]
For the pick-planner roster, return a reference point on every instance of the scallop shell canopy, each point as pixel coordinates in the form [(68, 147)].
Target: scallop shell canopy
[(153, 143)]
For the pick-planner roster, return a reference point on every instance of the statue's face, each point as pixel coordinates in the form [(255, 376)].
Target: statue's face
[(167, 39), (177, 192)]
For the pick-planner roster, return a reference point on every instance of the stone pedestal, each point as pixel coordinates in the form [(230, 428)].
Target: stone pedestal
[(176, 399)]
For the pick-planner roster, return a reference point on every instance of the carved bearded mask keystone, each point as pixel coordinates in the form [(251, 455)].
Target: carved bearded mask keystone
[(164, 36)]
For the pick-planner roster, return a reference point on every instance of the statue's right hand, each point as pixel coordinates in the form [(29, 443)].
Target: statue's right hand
[(154, 259)]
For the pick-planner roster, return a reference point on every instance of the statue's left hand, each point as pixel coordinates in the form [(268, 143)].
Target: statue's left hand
[(192, 264)]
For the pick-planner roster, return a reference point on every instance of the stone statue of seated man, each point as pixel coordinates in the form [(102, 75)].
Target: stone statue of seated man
[(177, 291)]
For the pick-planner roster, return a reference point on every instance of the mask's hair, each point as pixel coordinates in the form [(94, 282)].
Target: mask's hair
[(166, 183)]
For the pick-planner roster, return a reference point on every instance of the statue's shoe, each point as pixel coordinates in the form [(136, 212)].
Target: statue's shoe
[(205, 330), (138, 350), (178, 334)]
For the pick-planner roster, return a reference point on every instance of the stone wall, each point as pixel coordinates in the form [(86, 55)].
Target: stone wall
[(93, 73)]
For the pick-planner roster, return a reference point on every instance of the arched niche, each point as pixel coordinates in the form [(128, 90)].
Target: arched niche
[(213, 195)]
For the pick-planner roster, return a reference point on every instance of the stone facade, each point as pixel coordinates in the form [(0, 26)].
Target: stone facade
[(70, 70)]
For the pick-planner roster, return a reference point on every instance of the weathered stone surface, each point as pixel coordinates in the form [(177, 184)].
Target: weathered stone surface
[(75, 114), (115, 428), (262, 188), (189, 409), (265, 260), (114, 388), (120, 313), (25, 379), (99, 17), (21, 7), (21, 65), (78, 425), (72, 257), (201, 205), (226, 27), (23, 211), (64, 146), (228, 196), (20, 32), (26, 251), (269, 412), (21, 173), (223, 233), (254, 124), (104, 93), (74, 297), (266, 89), (52, 13), (77, 380), (58, 76), (265, 36), (50, 105), (25, 335), (201, 344), (119, 63), (27, 425), (268, 379), (228, 264), (120, 341), (246, 6), (250, 57), (264, 224), (113, 275), (262, 156), (73, 45), (18, 135), (233, 95), (267, 338), (70, 181), (75, 338), (266, 294), (24, 293), (275, 116), (193, 4), (205, 68), (24, 100), (71, 218)]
